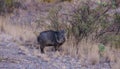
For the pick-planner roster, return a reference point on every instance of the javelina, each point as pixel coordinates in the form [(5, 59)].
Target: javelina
[(51, 38)]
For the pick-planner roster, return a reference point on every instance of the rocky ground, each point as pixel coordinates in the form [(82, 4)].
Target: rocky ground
[(18, 56)]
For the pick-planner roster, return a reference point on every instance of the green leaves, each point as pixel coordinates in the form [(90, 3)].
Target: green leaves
[(8, 2), (101, 47)]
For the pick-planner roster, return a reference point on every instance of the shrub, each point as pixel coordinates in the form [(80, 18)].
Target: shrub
[(101, 47), (86, 21), (53, 16), (7, 6), (111, 33)]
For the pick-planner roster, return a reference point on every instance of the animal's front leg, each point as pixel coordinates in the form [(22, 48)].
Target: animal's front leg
[(56, 48)]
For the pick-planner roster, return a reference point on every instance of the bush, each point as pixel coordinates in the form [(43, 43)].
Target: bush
[(110, 34), (53, 16), (7, 6), (86, 21)]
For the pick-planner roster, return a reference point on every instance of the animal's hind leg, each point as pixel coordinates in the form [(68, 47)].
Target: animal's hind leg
[(42, 49)]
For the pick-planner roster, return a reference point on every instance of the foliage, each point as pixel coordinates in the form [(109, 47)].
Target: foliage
[(111, 32), (7, 6), (53, 16), (112, 39), (117, 18), (101, 47), (85, 21)]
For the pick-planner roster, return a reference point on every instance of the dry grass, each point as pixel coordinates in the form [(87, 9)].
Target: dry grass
[(1, 59), (90, 51), (93, 54), (2, 21), (19, 32), (24, 33), (85, 51), (12, 60), (117, 64)]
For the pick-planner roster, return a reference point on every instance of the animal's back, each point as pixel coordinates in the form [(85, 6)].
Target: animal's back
[(46, 36)]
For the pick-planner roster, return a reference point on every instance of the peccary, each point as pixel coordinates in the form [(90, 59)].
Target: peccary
[(51, 38)]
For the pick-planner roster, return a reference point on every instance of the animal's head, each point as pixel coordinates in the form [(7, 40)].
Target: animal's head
[(60, 36)]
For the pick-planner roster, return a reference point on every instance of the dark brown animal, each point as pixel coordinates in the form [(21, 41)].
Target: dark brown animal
[(51, 38)]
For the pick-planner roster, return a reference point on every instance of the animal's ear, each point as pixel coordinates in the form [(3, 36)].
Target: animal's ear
[(62, 31)]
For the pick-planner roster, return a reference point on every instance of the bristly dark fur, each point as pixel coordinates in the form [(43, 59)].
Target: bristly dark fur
[(51, 38)]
